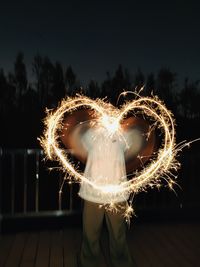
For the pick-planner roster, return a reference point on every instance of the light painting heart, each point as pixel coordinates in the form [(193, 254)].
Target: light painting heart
[(111, 118)]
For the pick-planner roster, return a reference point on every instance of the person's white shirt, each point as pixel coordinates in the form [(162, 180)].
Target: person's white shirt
[(105, 166)]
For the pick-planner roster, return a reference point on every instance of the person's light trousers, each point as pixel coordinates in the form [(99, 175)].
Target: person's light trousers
[(90, 254)]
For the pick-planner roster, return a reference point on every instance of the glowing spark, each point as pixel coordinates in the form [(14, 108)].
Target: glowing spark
[(129, 212), (111, 118)]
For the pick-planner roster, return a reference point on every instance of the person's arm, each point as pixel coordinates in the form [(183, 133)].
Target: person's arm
[(141, 143), (134, 141), (75, 126)]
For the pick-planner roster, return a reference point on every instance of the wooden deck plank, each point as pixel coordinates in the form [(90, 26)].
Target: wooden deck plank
[(163, 247), (56, 252), (151, 245), (170, 234), (72, 241), (180, 253), (148, 243), (43, 251), (189, 238), (136, 247), (190, 235), (6, 242), (16, 250), (29, 254), (152, 242)]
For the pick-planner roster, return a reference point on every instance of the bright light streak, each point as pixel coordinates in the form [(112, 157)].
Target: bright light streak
[(111, 118), (110, 123)]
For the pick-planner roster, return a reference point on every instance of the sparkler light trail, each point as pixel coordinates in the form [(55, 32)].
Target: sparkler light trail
[(163, 165)]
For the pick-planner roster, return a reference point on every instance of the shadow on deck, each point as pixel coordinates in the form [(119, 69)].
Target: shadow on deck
[(151, 244)]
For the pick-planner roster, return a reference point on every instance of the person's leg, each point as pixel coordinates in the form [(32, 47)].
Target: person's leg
[(90, 254), (119, 251)]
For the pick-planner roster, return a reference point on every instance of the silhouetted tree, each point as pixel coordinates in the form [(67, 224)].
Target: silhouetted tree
[(166, 87), (11, 91), (189, 99), (106, 86), (8, 109), (47, 81), (3, 91), (93, 89), (22, 105), (20, 76), (139, 79), (150, 84), (37, 68), (120, 83), (70, 80), (58, 85), (31, 118), (43, 70)]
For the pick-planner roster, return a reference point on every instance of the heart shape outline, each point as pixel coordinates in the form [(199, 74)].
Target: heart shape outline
[(151, 106)]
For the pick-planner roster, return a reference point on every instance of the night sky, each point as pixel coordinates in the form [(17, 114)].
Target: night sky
[(96, 36)]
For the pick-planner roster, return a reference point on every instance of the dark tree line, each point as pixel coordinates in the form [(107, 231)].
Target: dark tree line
[(23, 102)]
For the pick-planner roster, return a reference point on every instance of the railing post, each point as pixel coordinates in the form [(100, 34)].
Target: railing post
[(11, 171), (12, 182), (25, 181), (60, 193), (37, 181)]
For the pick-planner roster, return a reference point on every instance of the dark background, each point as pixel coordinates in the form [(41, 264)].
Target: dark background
[(50, 50)]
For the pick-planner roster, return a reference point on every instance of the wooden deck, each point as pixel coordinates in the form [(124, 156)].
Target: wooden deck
[(152, 245)]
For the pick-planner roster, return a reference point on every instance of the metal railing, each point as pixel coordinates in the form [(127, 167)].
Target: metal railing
[(29, 188), (22, 174)]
